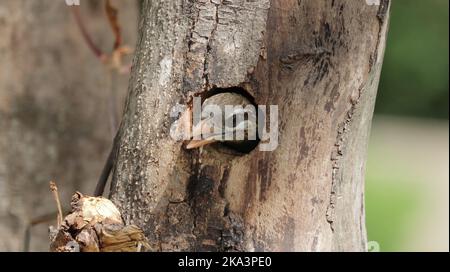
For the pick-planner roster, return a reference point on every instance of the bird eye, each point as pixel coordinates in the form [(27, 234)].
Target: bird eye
[(231, 122), (234, 120)]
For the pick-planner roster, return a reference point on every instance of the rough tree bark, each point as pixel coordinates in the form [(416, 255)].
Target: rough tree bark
[(319, 61)]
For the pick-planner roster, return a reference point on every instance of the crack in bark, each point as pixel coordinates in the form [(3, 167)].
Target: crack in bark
[(343, 127), (208, 46), (337, 154)]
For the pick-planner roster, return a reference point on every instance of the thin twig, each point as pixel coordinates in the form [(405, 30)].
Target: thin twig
[(112, 14), (54, 190), (27, 239), (97, 52), (112, 100)]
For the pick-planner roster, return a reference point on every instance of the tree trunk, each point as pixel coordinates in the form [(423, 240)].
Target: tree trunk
[(319, 61)]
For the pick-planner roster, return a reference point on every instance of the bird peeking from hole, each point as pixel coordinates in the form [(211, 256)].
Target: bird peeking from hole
[(228, 118)]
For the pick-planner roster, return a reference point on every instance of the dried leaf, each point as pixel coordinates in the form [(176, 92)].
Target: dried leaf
[(88, 240), (129, 238), (63, 242), (98, 209), (95, 224)]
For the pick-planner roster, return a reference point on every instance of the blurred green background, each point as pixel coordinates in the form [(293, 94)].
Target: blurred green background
[(407, 203)]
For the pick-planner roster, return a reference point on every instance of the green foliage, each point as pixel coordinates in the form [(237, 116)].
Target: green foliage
[(414, 79), (389, 204), (393, 197)]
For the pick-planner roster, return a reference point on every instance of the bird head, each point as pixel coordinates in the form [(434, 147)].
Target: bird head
[(226, 117)]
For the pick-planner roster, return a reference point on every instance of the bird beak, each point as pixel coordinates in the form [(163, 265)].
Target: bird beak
[(183, 129), (199, 143), (202, 126)]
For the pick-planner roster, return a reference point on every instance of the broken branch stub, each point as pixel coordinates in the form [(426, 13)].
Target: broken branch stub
[(95, 225)]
